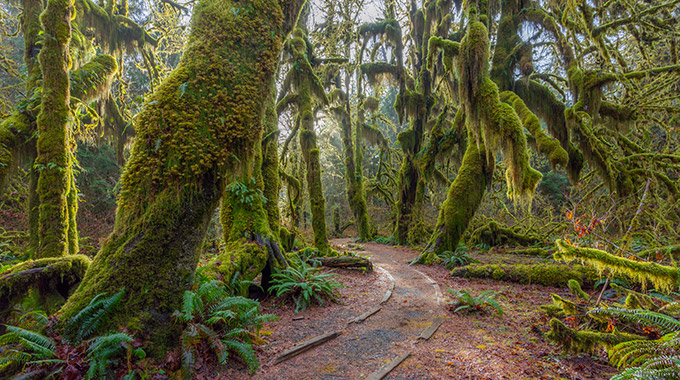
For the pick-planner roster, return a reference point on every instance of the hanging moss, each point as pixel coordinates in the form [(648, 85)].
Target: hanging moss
[(379, 72), (198, 131), (14, 130), (540, 274), (390, 28), (575, 341), (115, 32), (53, 160), (663, 277), (449, 49), (373, 135), (93, 80), (543, 103), (546, 145)]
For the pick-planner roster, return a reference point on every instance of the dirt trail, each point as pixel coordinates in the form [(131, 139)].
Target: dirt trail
[(466, 346), (364, 347)]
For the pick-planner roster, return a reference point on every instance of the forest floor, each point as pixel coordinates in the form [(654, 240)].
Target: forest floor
[(466, 346)]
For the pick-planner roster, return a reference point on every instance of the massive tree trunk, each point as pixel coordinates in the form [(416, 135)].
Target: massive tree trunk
[(198, 132), (54, 151)]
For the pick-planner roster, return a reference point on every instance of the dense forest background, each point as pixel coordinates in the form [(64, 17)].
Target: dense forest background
[(229, 140)]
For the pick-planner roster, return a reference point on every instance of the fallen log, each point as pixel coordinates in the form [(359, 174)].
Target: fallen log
[(347, 262)]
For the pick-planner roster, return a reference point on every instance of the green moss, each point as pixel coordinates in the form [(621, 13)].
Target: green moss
[(494, 234), (449, 49), (50, 277), (663, 277), (543, 274), (576, 290), (287, 239), (498, 274), (546, 145), (54, 144), (198, 132), (585, 341), (568, 307), (93, 80), (462, 200), (237, 257)]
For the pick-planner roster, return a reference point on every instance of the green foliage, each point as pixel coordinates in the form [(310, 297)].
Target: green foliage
[(86, 322), (305, 285), (36, 346), (228, 324), (387, 240), (554, 186), (464, 301), (98, 177), (245, 193), (456, 259)]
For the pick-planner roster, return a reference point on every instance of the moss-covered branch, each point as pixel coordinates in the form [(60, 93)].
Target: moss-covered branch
[(546, 145), (663, 277)]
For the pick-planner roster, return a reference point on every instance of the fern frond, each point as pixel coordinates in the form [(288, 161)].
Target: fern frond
[(86, 322), (664, 323), (244, 351)]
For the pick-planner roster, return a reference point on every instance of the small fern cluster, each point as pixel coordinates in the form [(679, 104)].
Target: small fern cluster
[(455, 259), (36, 346), (226, 323), (464, 301), (304, 284)]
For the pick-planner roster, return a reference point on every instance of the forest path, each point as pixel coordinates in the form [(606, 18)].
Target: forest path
[(364, 347), (466, 346)]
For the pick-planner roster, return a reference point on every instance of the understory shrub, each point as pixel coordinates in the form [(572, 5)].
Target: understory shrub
[(36, 349), (305, 284), (217, 321)]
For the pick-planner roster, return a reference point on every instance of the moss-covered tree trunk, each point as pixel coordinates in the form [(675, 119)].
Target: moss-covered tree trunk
[(53, 160), (270, 163), (353, 158), (317, 203), (31, 28), (198, 132), (462, 201)]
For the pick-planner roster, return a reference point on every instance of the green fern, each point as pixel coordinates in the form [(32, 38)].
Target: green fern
[(29, 345), (464, 301), (305, 285), (103, 353), (661, 322), (455, 259), (86, 322), (225, 322)]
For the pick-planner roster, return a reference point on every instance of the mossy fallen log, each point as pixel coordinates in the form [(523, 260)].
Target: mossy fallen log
[(494, 234), (50, 281), (347, 262), (545, 274)]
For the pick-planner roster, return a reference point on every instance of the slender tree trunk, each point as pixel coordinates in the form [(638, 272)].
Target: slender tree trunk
[(31, 28), (53, 161), (197, 132)]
